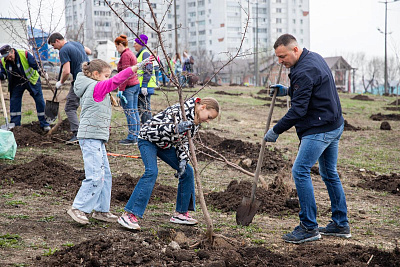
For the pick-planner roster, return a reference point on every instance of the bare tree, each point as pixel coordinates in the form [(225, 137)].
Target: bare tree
[(159, 28)]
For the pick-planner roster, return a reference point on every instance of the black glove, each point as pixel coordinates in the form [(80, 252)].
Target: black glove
[(183, 126), (182, 168)]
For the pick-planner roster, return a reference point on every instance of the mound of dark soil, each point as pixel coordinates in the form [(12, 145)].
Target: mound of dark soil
[(234, 150), (392, 108), (275, 201), (227, 93), (362, 97), (385, 126), (349, 127), (395, 103), (385, 117), (145, 249), (263, 91), (47, 172), (388, 183), (32, 135)]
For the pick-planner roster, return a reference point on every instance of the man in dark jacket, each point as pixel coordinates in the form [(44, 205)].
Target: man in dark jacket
[(22, 72), (317, 115)]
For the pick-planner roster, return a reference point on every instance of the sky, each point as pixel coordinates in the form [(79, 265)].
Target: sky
[(337, 27)]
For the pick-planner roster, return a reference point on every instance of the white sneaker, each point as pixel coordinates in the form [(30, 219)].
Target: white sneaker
[(128, 220), (46, 128), (183, 218), (78, 215), (104, 216)]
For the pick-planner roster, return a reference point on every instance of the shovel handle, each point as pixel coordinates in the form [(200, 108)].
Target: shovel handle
[(261, 155), (3, 104)]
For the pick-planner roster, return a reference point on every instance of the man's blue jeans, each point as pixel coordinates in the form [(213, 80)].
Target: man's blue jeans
[(131, 111), (324, 148), (144, 107), (140, 197), (95, 191)]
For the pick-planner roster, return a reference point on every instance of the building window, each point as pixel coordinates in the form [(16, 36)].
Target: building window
[(294, 21), (192, 14), (278, 20), (202, 32), (278, 30), (192, 43), (202, 42), (191, 4), (202, 12), (192, 33), (279, 10), (202, 22), (210, 42), (200, 3), (279, 1)]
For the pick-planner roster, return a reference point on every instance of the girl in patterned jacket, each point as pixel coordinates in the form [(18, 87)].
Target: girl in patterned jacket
[(165, 136)]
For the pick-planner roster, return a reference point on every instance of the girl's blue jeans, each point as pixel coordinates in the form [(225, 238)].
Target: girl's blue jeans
[(131, 111), (140, 197), (324, 148), (95, 191)]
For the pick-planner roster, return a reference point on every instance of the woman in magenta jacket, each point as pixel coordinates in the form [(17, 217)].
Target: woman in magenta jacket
[(128, 91)]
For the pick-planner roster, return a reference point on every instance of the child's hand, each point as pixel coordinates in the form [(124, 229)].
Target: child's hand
[(183, 126)]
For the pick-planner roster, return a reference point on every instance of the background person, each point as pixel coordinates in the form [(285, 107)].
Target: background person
[(93, 86), (317, 115), (147, 79), (164, 136), (72, 55), (20, 68), (129, 90)]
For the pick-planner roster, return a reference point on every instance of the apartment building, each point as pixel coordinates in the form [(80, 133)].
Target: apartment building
[(211, 26)]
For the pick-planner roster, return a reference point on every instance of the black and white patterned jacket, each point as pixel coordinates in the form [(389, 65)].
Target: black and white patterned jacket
[(161, 129)]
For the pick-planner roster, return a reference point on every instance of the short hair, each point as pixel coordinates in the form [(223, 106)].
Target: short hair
[(55, 36), (122, 39), (284, 40)]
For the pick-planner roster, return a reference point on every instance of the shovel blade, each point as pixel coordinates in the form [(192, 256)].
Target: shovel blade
[(8, 126), (51, 111), (246, 211)]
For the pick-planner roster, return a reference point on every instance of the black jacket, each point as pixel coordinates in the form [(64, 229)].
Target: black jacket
[(315, 104)]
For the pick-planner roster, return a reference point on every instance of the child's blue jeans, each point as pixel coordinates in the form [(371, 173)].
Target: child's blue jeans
[(95, 191), (140, 197)]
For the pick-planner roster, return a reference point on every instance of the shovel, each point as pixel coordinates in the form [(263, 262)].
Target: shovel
[(249, 205), (8, 125), (51, 109)]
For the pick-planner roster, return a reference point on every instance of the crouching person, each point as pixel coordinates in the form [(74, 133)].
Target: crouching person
[(93, 86), (165, 136)]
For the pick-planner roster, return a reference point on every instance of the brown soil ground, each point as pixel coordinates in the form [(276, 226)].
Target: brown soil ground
[(362, 97), (385, 117), (395, 103), (226, 93), (38, 187)]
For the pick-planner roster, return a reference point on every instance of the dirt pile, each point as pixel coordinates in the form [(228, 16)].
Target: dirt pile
[(389, 183), (349, 127), (47, 173), (395, 103), (362, 97), (277, 200), (237, 150), (385, 117), (32, 135), (126, 249), (227, 93)]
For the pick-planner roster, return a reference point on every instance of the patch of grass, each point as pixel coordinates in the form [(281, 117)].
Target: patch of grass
[(10, 241), (28, 112), (10, 195), (17, 216), (258, 241), (15, 202), (68, 244), (49, 252), (47, 219)]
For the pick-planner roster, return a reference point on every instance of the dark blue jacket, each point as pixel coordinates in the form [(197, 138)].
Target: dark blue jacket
[(16, 77), (315, 104)]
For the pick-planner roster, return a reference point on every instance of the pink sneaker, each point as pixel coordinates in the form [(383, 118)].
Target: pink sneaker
[(129, 221), (183, 218)]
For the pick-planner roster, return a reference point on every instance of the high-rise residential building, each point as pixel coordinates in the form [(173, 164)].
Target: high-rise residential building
[(212, 28)]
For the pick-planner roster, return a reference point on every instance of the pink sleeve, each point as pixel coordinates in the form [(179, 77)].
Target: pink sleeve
[(104, 87)]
